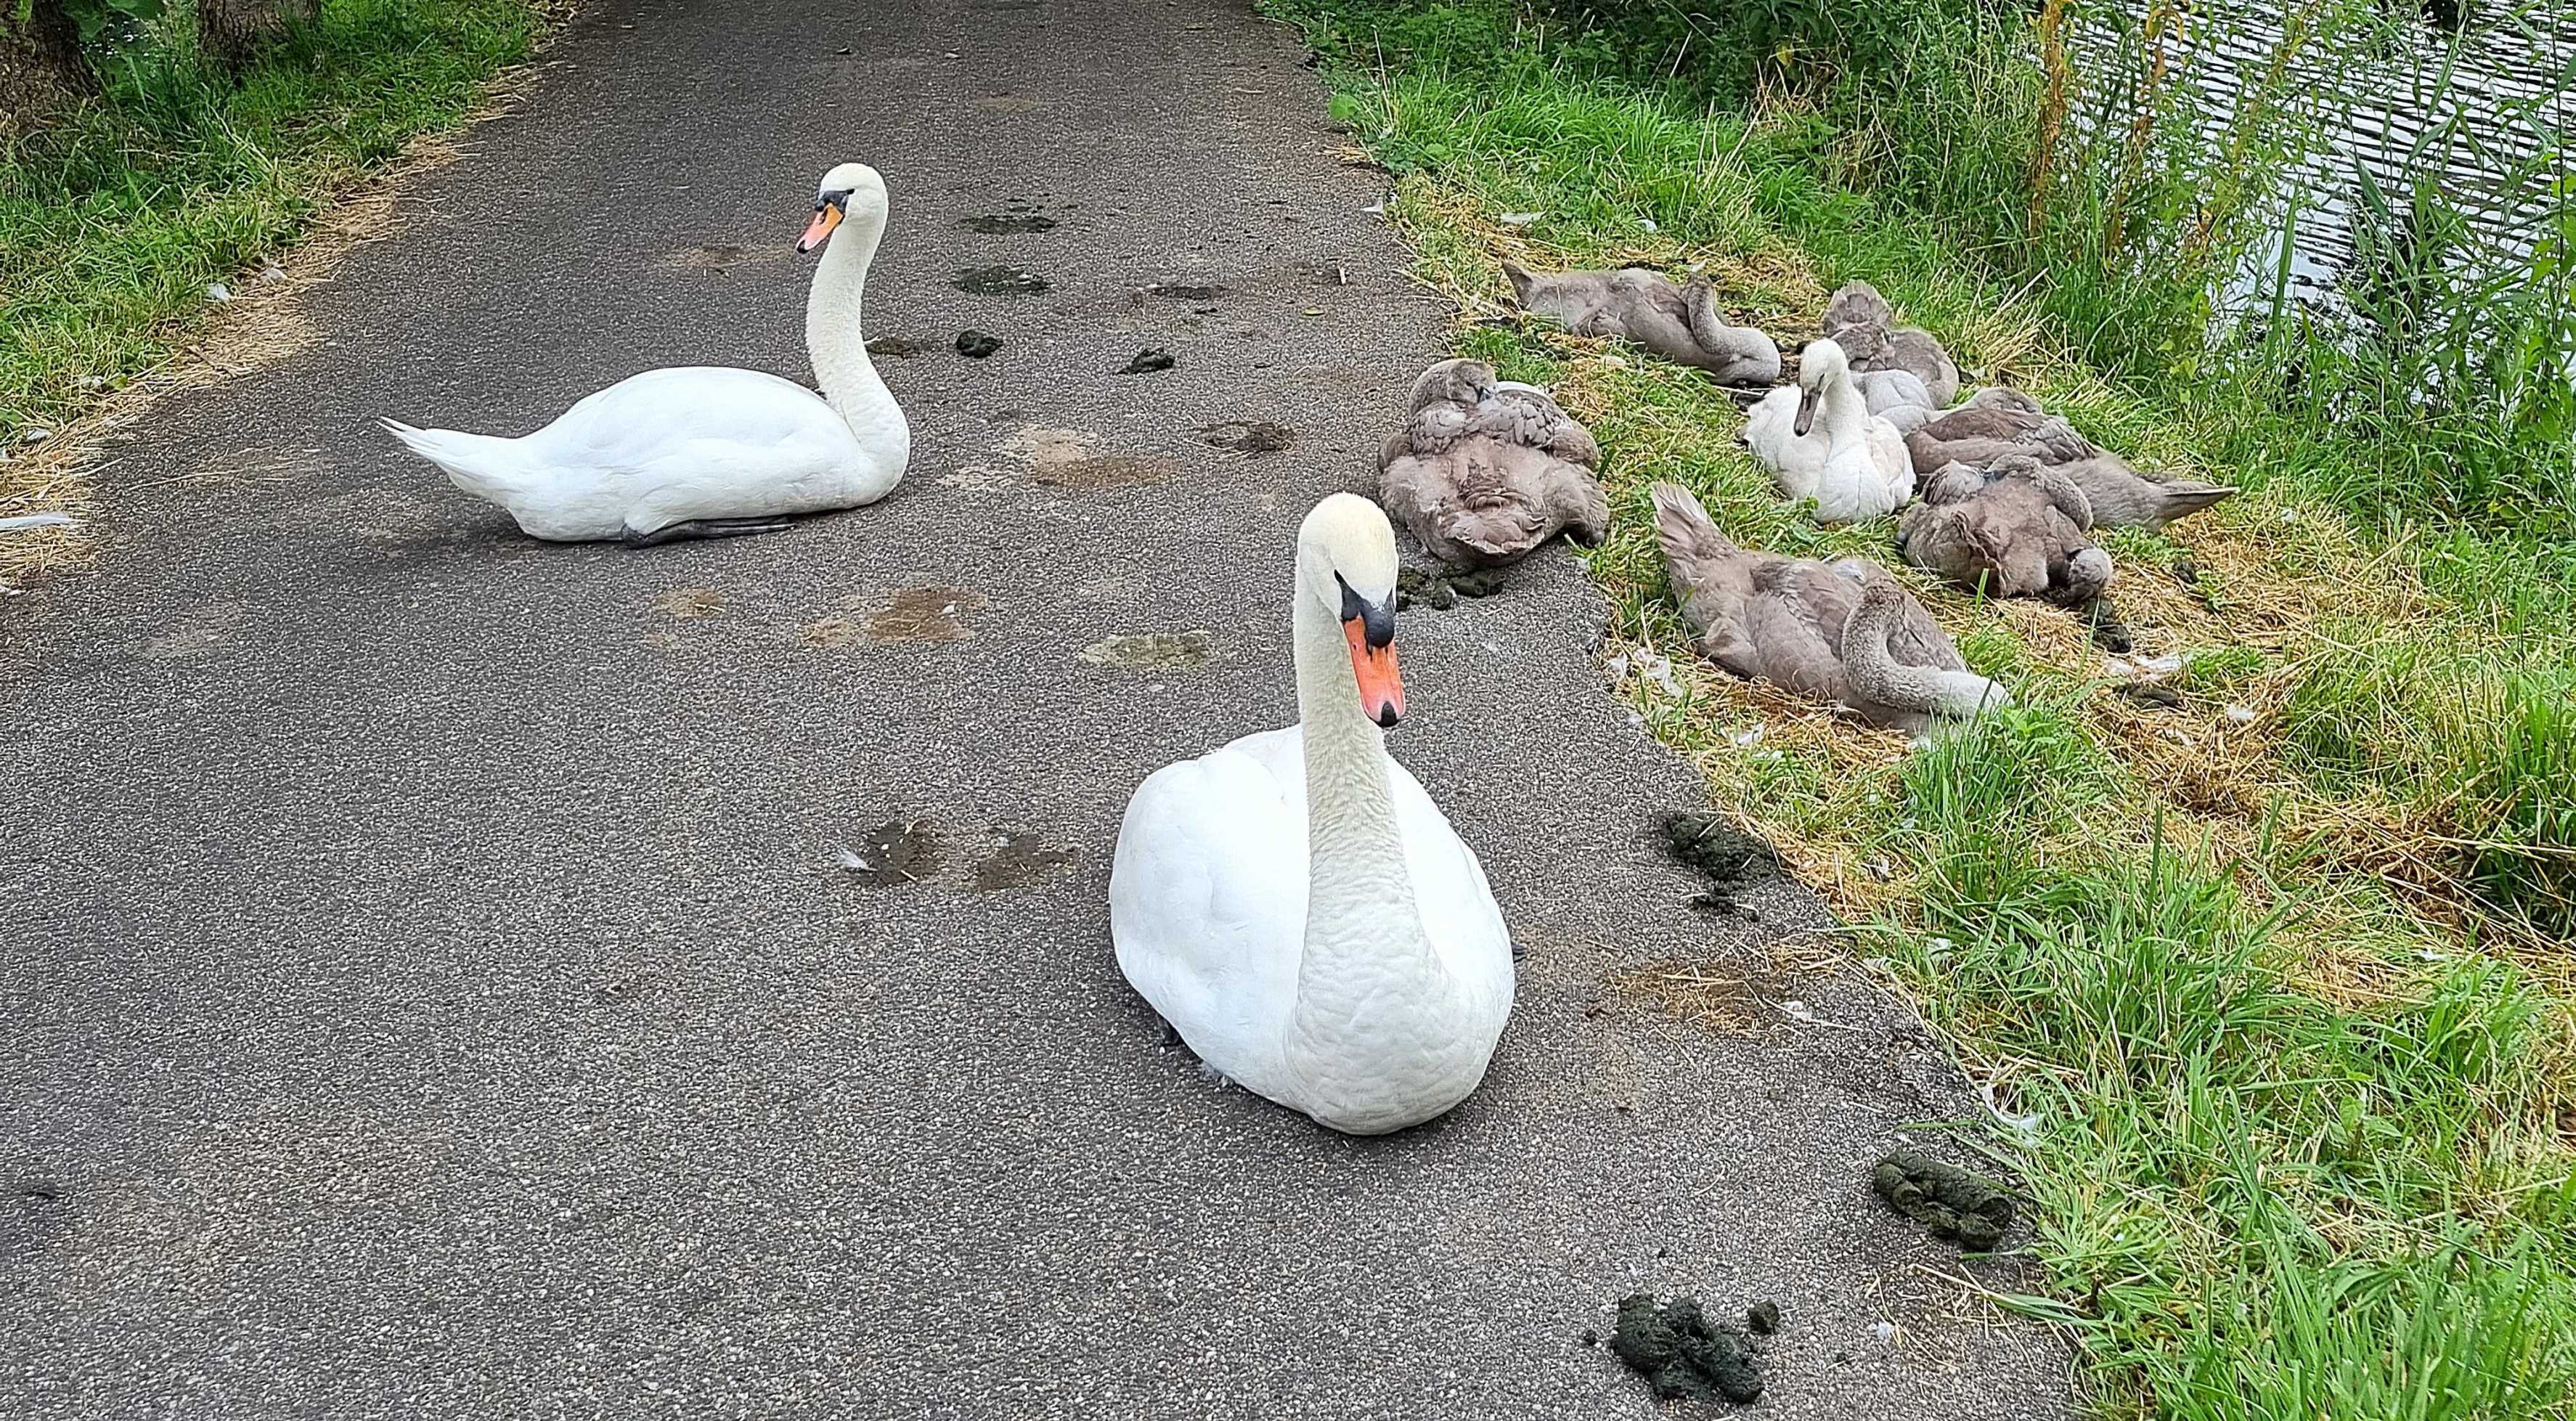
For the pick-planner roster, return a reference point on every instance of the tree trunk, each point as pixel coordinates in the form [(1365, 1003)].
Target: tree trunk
[(230, 31), (40, 65)]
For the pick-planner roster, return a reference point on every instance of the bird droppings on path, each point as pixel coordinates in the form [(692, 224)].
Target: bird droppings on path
[(975, 345), (1151, 651), (901, 347), (1000, 224), (689, 603), (1149, 360), (999, 281), (1684, 1356), (1732, 858), (926, 615), (1184, 291), (1949, 1202), (1441, 590), (894, 853), (1022, 859), (1249, 436)]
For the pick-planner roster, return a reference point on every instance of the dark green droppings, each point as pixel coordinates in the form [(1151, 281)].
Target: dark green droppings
[(1681, 1355), (1946, 1200), (975, 345), (1731, 857)]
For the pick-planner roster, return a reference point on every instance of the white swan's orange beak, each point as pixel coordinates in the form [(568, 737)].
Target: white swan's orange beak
[(1381, 689), (827, 215)]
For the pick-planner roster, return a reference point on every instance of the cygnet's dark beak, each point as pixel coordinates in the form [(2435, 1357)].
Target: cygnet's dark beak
[(1370, 627), (1806, 411)]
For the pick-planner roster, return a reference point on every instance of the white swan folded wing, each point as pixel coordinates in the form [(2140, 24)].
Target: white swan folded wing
[(669, 446), (1208, 905)]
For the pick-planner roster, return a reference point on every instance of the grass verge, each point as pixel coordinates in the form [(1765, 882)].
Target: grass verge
[(120, 221), (2272, 982)]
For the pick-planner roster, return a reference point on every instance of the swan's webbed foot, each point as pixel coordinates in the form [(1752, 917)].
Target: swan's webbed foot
[(706, 528)]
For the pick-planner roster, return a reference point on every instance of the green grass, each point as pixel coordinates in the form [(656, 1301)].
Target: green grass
[(2290, 996), (115, 221)]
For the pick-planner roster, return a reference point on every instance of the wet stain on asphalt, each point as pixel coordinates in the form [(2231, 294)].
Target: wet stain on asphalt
[(924, 615), (1249, 436), (1022, 859), (1066, 459), (1000, 224), (893, 854), (689, 603), (999, 281)]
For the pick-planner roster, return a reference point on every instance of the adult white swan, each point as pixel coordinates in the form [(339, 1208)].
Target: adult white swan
[(1294, 904), (709, 451)]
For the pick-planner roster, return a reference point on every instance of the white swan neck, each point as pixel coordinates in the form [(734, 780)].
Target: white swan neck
[(1364, 941), (834, 341), (1843, 411)]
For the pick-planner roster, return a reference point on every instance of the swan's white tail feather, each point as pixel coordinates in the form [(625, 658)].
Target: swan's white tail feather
[(1965, 694), (480, 464)]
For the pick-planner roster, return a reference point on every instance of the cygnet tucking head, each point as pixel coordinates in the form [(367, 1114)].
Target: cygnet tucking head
[(2088, 574), (850, 190), (1346, 562), (1466, 382)]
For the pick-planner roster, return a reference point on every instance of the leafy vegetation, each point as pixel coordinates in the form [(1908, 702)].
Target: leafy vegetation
[(118, 215), (2271, 974)]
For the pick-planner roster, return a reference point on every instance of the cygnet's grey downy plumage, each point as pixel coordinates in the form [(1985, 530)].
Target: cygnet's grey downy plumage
[(1847, 633), (2000, 422), (1995, 422), (1483, 471), (2016, 530), (1860, 321), (1679, 323), (1897, 396)]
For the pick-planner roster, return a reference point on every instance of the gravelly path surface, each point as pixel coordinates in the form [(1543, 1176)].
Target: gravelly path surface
[(430, 990)]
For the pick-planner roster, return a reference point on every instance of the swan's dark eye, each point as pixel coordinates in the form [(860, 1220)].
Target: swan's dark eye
[(839, 199), (1376, 619)]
